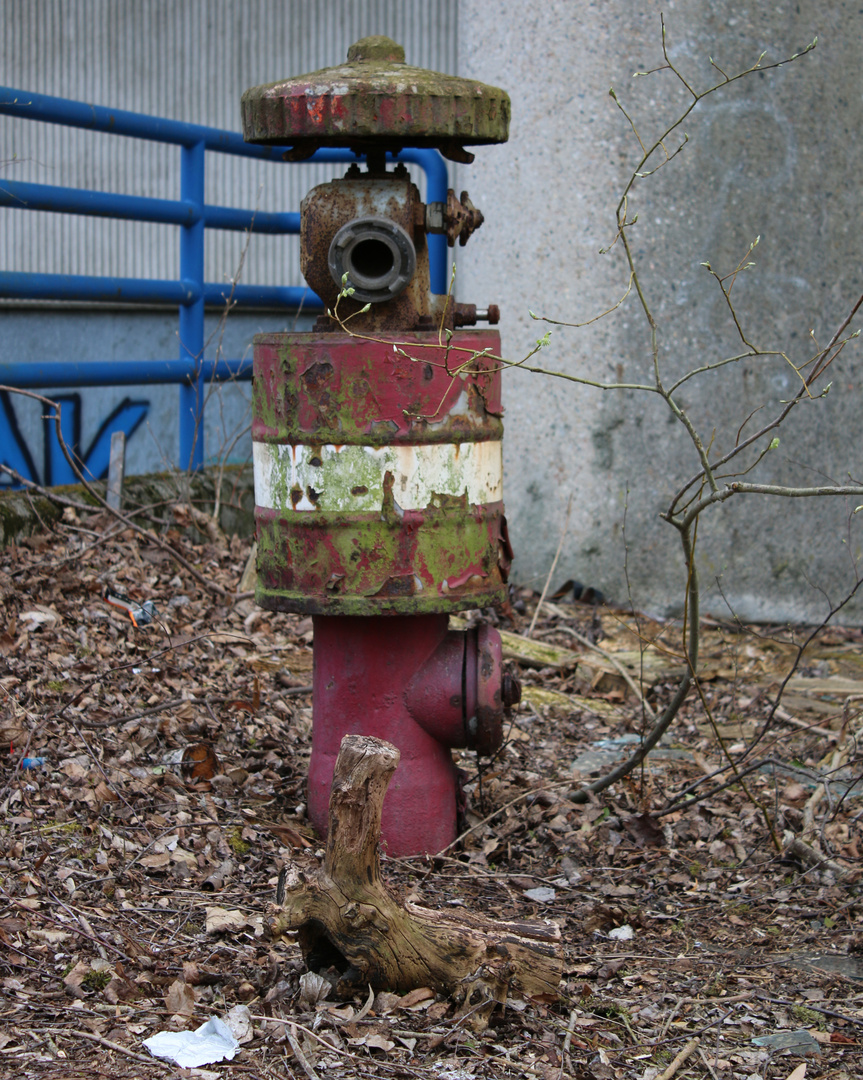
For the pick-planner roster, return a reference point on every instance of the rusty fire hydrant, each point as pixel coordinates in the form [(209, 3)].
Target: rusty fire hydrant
[(377, 440)]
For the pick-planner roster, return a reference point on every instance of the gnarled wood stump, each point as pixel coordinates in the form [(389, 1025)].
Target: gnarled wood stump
[(352, 928)]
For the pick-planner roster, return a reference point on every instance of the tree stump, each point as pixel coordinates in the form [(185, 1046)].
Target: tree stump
[(355, 932)]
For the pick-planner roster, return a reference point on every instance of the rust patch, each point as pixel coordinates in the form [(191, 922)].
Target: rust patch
[(388, 503), (383, 429), (398, 585), (440, 500), (316, 376), (360, 489)]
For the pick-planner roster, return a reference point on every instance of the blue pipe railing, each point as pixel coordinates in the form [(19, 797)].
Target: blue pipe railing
[(189, 291)]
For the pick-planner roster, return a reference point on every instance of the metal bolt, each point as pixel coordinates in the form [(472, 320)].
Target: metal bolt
[(491, 314), (510, 690)]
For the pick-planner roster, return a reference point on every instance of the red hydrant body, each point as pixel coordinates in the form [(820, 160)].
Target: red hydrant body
[(413, 682), (377, 441)]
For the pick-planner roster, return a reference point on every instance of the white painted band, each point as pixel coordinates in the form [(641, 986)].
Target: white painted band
[(351, 478)]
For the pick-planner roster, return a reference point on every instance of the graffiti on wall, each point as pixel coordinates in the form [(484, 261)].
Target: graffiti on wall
[(17, 454)]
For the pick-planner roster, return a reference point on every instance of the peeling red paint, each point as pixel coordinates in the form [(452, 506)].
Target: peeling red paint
[(329, 388)]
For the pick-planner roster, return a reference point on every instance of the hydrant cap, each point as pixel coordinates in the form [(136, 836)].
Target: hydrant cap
[(375, 101), (376, 48)]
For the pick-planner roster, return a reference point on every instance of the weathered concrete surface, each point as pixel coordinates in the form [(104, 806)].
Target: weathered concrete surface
[(776, 156)]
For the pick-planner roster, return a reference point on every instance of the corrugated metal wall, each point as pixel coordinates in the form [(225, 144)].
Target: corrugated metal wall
[(189, 60)]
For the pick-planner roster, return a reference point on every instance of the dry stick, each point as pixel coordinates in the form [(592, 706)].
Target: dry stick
[(669, 1019), (567, 1042), (838, 758), (291, 1032), (707, 1064), (811, 1005), (786, 718), (551, 571), (113, 1046), (813, 859), (620, 668), (685, 1053), (172, 703)]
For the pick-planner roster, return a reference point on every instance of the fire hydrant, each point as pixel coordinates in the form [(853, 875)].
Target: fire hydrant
[(377, 440)]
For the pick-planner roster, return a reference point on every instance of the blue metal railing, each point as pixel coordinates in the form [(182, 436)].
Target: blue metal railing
[(189, 292)]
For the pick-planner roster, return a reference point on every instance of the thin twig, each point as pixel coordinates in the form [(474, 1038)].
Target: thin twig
[(110, 1045), (707, 1064), (567, 1042), (500, 809), (291, 1032), (684, 1054), (551, 571), (616, 664)]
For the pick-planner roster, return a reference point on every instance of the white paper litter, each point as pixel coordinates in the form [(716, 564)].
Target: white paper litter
[(210, 1042), (621, 933)]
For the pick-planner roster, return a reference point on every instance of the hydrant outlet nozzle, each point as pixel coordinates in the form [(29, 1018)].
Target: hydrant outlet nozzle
[(375, 257)]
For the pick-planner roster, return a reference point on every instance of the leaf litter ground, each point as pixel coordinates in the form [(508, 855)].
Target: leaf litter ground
[(138, 860)]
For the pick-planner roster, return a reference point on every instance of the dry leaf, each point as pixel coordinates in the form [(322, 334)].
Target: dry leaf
[(220, 920), (200, 762), (50, 937), (239, 1021), (180, 1001), (373, 1041), (156, 862), (313, 988), (799, 1073), (75, 978), (104, 794), (39, 617), (289, 836), (385, 1002), (415, 999)]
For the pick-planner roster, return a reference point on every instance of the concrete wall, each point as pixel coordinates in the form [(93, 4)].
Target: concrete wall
[(777, 155)]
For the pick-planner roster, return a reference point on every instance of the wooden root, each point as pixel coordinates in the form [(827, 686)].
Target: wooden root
[(353, 930)]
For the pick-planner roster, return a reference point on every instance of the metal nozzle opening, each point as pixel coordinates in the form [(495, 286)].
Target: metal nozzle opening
[(378, 257)]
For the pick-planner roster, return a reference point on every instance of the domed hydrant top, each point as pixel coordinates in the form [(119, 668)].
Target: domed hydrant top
[(376, 101)]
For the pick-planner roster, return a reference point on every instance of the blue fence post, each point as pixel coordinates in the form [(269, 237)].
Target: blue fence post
[(192, 313)]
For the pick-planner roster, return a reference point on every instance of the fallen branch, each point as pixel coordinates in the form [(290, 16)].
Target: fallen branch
[(615, 663), (813, 859), (355, 933), (681, 1058)]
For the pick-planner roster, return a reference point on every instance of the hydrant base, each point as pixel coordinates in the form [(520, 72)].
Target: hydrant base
[(364, 669)]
